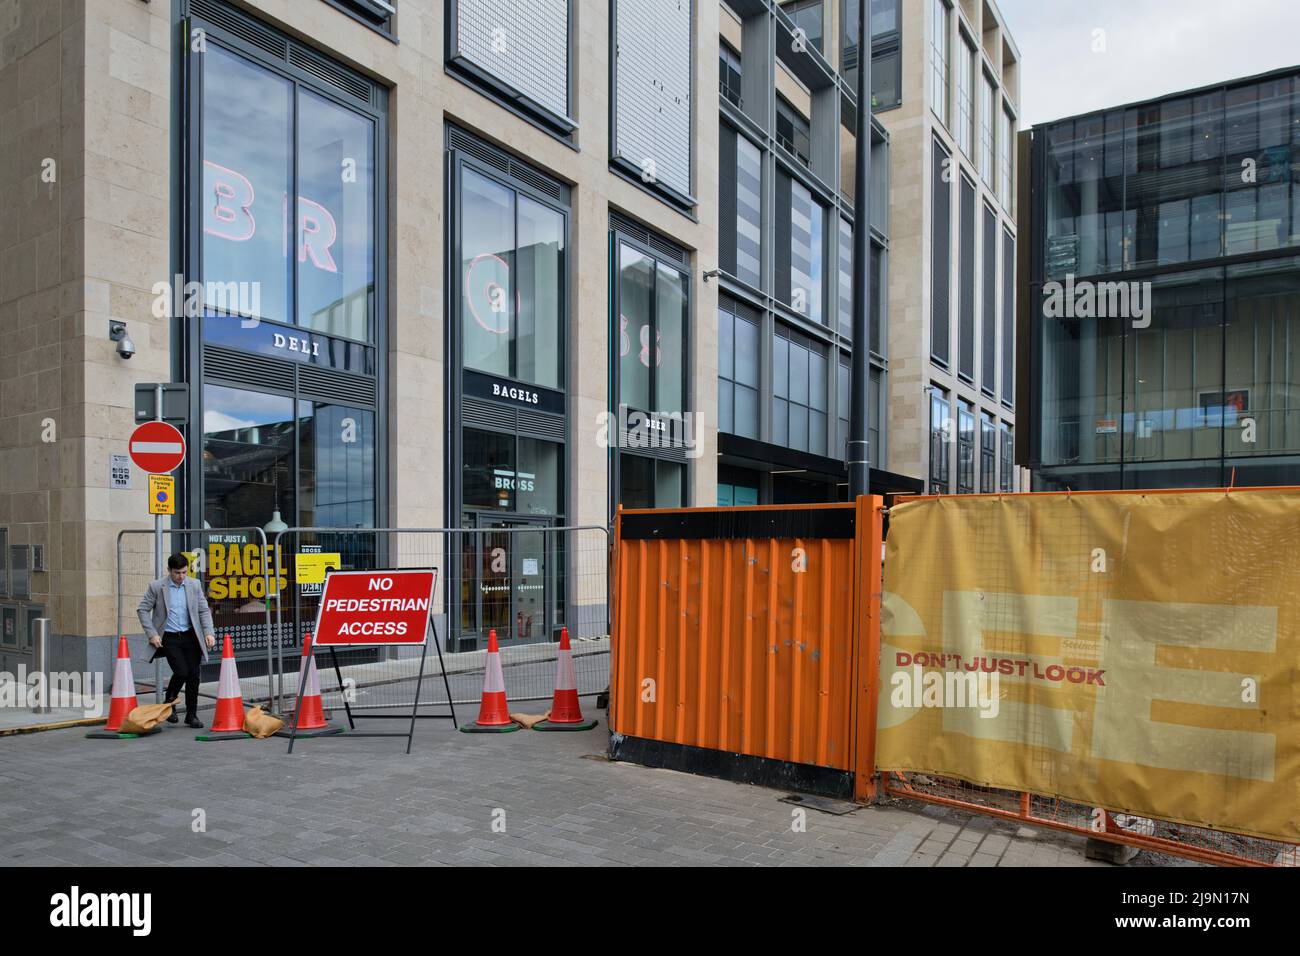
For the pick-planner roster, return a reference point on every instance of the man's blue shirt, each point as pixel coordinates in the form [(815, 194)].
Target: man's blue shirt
[(178, 609)]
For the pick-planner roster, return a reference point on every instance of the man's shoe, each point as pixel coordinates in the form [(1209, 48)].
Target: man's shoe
[(193, 721), (172, 718)]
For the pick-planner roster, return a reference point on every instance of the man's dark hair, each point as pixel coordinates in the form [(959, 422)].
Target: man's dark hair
[(178, 561)]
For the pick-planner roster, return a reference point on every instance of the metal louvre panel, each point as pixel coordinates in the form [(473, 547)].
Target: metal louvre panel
[(627, 443), (966, 278), (327, 384), (321, 68), (459, 140), (989, 313), (1008, 317), (543, 184), (781, 234), (940, 248), (477, 414), (220, 15), (728, 225), (506, 164), (666, 248), (524, 43), (653, 77), (244, 368), (541, 425)]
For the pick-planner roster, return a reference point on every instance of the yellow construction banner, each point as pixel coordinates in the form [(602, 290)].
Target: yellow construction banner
[(1137, 652)]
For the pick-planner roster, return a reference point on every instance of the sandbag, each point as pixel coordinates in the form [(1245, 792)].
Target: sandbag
[(528, 721), (258, 723), (146, 717)]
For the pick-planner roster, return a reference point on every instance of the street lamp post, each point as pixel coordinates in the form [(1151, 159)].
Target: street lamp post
[(859, 452)]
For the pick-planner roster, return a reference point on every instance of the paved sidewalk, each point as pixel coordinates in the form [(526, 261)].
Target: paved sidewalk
[(68, 800)]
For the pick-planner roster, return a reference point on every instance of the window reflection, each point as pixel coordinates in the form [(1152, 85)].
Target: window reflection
[(247, 457), (247, 171), (335, 228), (800, 239), (512, 275), (246, 198), (635, 348), (337, 471), (1180, 180)]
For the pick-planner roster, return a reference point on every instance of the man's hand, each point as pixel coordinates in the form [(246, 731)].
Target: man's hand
[(212, 641), (155, 640)]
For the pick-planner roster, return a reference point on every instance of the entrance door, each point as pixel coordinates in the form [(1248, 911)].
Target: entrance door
[(507, 580)]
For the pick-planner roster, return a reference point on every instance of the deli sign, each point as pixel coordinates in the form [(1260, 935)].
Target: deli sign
[(375, 607)]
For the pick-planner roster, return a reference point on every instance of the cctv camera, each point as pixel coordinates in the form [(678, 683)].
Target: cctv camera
[(117, 333)]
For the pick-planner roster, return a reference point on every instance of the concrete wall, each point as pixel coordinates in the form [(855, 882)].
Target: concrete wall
[(41, 132)]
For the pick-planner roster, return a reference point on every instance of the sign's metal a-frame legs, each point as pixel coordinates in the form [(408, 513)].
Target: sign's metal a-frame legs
[(415, 706)]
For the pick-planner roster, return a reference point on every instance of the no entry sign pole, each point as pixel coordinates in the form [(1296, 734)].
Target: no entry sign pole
[(156, 447), (157, 553), (157, 556)]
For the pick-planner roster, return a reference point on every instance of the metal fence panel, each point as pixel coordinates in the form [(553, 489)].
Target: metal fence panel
[(236, 572), (526, 583)]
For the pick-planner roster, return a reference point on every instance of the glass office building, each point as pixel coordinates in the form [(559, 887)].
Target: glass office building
[(1186, 210)]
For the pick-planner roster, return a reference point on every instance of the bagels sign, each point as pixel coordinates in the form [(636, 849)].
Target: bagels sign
[(375, 607)]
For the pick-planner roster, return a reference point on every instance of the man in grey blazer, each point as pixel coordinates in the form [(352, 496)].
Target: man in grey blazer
[(168, 612)]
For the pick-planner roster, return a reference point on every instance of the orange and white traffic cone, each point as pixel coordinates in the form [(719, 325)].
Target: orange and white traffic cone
[(309, 714), (123, 701), (229, 721), (565, 712), (123, 695), (493, 715)]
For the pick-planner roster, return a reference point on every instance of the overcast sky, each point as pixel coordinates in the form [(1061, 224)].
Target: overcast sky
[(1151, 47)]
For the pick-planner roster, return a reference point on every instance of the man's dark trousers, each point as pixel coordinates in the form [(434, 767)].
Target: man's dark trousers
[(182, 650)]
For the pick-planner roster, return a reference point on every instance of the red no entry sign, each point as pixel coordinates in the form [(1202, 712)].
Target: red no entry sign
[(375, 607), (157, 447)]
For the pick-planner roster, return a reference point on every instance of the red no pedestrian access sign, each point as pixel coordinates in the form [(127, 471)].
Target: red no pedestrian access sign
[(157, 448), (375, 607)]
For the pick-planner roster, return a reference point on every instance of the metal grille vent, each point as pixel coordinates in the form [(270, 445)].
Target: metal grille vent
[(631, 444), (543, 184), (244, 369), (634, 230), (487, 415), (458, 139), (478, 149), (322, 69), (669, 249), (336, 386), (218, 14), (271, 41), (540, 425), (625, 225)]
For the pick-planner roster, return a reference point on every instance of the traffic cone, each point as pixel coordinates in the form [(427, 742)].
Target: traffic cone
[(309, 714), (228, 724), (565, 712), (493, 716), (123, 700)]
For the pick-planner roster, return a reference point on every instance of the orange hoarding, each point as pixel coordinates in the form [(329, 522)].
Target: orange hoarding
[(734, 631)]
